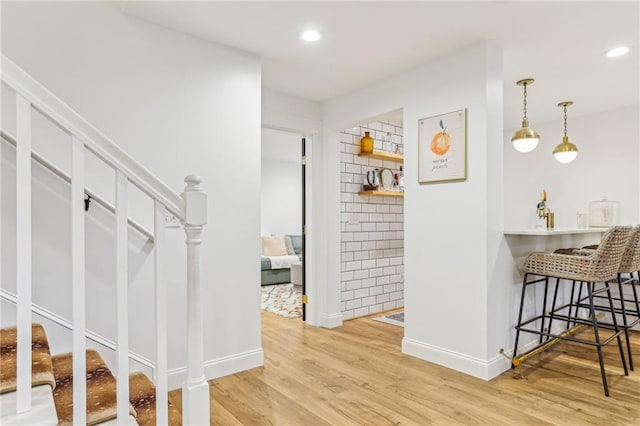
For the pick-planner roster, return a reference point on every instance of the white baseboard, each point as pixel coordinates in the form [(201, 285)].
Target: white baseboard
[(220, 367), (331, 320), (475, 367)]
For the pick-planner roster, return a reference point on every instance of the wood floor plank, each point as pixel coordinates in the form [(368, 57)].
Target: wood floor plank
[(356, 375)]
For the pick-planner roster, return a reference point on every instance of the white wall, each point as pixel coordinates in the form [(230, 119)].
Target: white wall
[(454, 248), (607, 165), (180, 106), (281, 198), (281, 191), (291, 113)]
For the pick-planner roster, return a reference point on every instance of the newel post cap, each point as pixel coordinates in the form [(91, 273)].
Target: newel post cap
[(195, 202)]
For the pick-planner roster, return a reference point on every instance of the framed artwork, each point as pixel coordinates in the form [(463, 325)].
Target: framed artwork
[(442, 147)]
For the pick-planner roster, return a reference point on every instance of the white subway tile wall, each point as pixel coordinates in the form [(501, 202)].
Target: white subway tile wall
[(372, 227)]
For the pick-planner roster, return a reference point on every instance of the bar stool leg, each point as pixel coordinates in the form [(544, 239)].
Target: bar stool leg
[(625, 324), (515, 347), (553, 305), (544, 308), (573, 291), (594, 321), (578, 302), (617, 329), (635, 294)]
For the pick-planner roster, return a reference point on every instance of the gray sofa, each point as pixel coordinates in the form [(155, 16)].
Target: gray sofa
[(269, 276)]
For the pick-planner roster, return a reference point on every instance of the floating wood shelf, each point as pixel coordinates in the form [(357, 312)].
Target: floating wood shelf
[(382, 193), (382, 155)]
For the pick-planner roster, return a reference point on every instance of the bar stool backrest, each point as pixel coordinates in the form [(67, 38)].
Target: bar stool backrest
[(631, 257), (608, 256)]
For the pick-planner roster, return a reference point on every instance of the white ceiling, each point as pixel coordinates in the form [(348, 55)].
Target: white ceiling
[(560, 44)]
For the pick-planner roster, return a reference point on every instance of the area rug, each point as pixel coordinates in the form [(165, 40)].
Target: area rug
[(393, 319), (282, 299)]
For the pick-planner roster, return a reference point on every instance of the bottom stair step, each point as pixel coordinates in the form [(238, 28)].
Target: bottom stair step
[(101, 389), (142, 394), (130, 421), (43, 410)]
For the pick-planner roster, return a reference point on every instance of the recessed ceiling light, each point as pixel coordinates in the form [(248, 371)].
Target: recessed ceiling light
[(310, 35), (617, 51)]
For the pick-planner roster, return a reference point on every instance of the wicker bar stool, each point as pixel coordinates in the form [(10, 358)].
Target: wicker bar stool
[(629, 266), (599, 266)]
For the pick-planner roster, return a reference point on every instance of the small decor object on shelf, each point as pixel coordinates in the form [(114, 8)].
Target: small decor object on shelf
[(386, 177), (603, 213), (366, 143), (442, 146), (543, 210), (373, 180), (581, 220)]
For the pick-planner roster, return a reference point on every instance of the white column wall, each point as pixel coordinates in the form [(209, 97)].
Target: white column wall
[(179, 105), (451, 229)]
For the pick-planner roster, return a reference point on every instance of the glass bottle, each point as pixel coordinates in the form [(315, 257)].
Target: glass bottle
[(366, 144)]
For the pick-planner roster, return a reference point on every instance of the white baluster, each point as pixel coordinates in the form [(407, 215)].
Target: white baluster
[(78, 282), (195, 391), (122, 299), (23, 251), (162, 415)]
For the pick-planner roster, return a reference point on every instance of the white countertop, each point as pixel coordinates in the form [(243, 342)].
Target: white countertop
[(555, 231)]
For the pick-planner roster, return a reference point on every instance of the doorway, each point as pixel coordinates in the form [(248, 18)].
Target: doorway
[(283, 220), (372, 218)]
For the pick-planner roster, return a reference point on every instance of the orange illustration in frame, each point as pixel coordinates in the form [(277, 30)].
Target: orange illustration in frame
[(442, 147)]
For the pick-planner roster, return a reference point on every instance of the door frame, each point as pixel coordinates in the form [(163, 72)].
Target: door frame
[(310, 130)]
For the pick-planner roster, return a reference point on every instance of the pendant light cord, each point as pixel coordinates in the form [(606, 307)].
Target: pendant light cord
[(565, 121), (525, 102)]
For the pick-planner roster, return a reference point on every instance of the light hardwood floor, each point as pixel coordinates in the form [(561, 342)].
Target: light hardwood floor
[(356, 374)]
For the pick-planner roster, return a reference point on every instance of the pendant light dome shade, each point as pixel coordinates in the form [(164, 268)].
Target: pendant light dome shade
[(566, 152), (525, 139)]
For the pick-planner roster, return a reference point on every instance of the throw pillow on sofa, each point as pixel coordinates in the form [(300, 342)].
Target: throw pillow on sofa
[(287, 242), (274, 245)]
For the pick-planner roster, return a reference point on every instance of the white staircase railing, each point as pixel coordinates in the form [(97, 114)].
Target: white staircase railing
[(189, 207)]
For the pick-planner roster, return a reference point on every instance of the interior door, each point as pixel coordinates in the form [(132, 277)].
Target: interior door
[(304, 230)]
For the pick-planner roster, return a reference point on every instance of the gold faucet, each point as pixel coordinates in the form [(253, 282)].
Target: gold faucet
[(543, 210)]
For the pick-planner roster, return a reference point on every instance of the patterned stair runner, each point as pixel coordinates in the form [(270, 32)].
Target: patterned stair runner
[(57, 372), (41, 367)]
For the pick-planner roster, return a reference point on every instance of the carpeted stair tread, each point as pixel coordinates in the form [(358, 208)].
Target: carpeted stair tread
[(101, 389), (142, 394), (41, 365)]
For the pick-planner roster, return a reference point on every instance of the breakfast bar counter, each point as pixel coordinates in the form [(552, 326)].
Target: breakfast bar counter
[(524, 241), (558, 231)]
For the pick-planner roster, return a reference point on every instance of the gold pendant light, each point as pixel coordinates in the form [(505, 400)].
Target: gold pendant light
[(566, 152), (525, 139)]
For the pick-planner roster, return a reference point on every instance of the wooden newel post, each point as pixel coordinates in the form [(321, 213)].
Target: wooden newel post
[(195, 390)]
